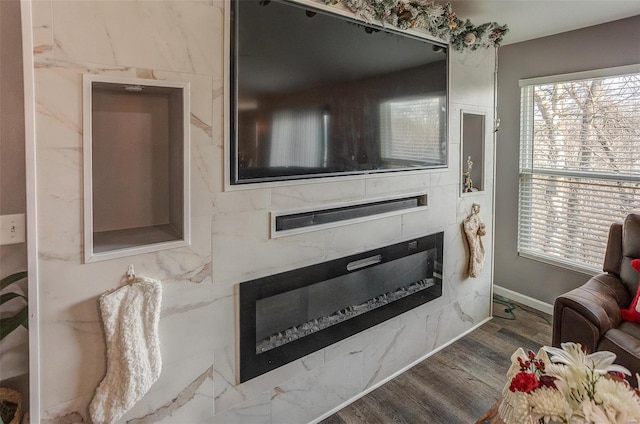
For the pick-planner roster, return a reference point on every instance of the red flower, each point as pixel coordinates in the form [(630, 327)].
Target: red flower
[(548, 381), (524, 382), (618, 375)]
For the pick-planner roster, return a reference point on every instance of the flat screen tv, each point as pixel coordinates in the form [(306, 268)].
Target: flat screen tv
[(314, 94)]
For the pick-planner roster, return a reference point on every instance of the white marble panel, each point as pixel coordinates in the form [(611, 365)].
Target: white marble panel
[(455, 128), (59, 182), (254, 411), (59, 106), (458, 317), (460, 289), (317, 193), (219, 123), (476, 305), (203, 169), (444, 326), (435, 325), (419, 313), (471, 77), (83, 360), (197, 406), (73, 412), (243, 250), (414, 181), (60, 187), (228, 394), (450, 176), (239, 201), (359, 342), (190, 394), (362, 236), (442, 204), (419, 223), (42, 21), (80, 364), (392, 351), (76, 319), (182, 339), (68, 281), (177, 36), (309, 395), (184, 264), (223, 319)]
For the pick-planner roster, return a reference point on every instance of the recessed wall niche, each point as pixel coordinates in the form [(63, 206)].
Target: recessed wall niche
[(136, 167), (473, 146)]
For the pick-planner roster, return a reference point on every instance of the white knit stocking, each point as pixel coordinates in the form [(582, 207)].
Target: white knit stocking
[(130, 317)]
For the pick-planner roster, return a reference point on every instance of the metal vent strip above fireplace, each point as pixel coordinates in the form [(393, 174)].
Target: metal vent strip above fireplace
[(286, 316)]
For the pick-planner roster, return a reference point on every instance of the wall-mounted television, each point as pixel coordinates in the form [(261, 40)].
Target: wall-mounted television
[(315, 94)]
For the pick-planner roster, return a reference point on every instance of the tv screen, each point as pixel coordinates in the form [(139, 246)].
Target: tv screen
[(316, 94)]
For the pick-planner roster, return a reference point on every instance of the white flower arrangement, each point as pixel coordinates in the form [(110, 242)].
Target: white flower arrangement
[(571, 387)]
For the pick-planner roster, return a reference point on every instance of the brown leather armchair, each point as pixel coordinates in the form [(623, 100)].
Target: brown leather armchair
[(590, 314)]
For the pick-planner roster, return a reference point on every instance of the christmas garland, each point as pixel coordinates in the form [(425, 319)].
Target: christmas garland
[(439, 20)]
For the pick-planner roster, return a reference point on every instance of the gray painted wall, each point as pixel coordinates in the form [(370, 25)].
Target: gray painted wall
[(14, 352), (12, 172), (602, 46)]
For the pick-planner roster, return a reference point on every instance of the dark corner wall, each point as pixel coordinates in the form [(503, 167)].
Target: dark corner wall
[(603, 46)]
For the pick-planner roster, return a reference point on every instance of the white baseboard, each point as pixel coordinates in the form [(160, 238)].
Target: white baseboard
[(525, 300)]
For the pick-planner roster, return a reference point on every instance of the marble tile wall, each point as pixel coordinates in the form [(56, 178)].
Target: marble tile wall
[(183, 41)]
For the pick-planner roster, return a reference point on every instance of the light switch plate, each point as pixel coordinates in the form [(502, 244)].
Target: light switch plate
[(12, 229)]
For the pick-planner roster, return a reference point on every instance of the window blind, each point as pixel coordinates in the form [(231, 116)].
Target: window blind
[(579, 166)]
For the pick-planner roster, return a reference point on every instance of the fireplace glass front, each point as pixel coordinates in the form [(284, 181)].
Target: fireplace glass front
[(289, 315)]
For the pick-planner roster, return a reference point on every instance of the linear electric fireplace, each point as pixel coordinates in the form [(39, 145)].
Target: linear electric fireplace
[(286, 316)]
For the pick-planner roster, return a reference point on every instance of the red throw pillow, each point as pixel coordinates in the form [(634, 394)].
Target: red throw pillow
[(631, 314)]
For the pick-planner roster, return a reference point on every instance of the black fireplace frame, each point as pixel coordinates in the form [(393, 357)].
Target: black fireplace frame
[(252, 364)]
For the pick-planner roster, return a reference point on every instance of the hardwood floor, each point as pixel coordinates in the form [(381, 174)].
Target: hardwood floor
[(459, 383)]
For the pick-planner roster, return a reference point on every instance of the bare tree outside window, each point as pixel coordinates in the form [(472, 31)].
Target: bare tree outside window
[(579, 166)]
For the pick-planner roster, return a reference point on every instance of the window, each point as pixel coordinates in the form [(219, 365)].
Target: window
[(412, 129), (579, 164)]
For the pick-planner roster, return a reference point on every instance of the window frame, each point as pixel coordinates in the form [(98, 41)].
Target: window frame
[(528, 171)]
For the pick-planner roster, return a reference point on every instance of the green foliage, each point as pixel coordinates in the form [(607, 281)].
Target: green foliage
[(9, 324)]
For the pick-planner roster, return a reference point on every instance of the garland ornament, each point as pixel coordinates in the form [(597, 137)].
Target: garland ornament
[(439, 20)]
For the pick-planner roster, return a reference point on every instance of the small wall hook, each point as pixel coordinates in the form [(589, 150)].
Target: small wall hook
[(131, 275)]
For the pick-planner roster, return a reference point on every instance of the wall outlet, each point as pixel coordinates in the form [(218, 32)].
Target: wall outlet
[(12, 229)]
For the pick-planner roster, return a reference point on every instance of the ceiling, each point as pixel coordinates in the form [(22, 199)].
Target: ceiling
[(529, 19)]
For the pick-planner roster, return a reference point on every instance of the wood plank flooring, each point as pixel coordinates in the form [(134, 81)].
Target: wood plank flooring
[(459, 383)]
